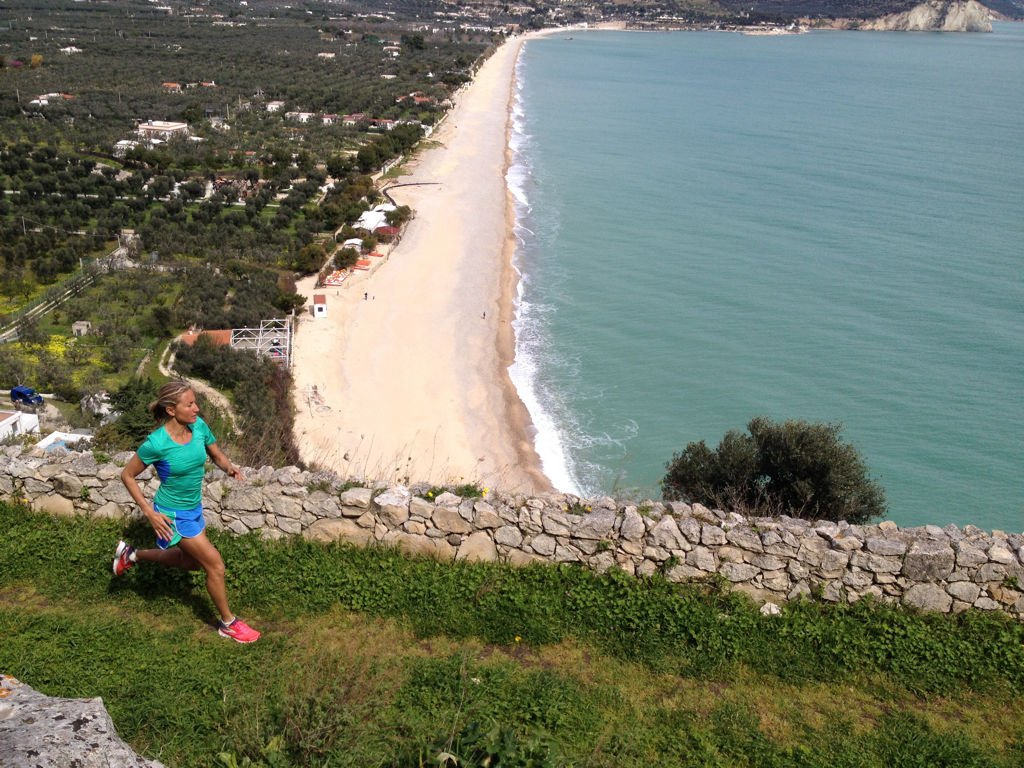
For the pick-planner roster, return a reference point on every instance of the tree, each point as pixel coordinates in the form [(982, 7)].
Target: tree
[(134, 423), (117, 352), (794, 468), (414, 42), (310, 258), (31, 332), (13, 370)]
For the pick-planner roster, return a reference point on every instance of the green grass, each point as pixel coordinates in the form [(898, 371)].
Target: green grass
[(373, 659)]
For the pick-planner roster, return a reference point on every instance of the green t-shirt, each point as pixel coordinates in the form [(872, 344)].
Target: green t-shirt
[(180, 467)]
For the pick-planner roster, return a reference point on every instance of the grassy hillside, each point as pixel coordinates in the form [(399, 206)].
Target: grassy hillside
[(370, 658)]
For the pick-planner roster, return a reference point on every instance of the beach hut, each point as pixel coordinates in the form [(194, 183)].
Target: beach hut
[(319, 305)]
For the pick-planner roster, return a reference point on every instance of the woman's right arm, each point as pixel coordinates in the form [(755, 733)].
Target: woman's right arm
[(135, 467)]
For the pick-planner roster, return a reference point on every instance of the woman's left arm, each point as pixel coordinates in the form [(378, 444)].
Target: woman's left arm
[(217, 457)]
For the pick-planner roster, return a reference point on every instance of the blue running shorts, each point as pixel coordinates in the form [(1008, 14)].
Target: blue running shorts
[(186, 524)]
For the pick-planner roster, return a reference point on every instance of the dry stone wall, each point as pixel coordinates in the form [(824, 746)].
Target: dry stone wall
[(946, 569)]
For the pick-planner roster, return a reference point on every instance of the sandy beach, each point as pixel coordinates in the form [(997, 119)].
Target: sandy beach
[(405, 379)]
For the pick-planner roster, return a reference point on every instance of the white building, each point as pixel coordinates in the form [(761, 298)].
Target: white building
[(124, 146), (14, 423), (370, 220), (162, 129), (319, 305)]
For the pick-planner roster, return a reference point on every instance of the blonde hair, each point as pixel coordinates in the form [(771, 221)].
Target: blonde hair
[(167, 397)]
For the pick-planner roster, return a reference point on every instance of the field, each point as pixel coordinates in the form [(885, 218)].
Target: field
[(370, 658)]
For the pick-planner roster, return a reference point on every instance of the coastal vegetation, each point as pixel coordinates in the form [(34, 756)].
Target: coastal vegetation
[(284, 119), (794, 468), (373, 658)]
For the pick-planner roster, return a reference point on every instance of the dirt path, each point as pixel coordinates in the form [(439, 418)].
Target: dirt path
[(200, 387)]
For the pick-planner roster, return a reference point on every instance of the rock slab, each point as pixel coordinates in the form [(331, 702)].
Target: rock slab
[(38, 731)]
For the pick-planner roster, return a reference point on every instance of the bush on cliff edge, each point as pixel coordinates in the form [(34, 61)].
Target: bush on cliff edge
[(794, 468)]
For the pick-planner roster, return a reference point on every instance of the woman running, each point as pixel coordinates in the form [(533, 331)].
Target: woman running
[(177, 450)]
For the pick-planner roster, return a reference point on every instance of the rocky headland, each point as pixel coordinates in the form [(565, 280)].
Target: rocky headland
[(931, 16)]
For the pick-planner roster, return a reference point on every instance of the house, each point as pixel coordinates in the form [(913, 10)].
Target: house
[(329, 119), (319, 305), (274, 106), (124, 146), (162, 129), (299, 117), (81, 328), (45, 99), (325, 55), (417, 98), (221, 338), (370, 220), (171, 87), (70, 50), (14, 423), (354, 119)]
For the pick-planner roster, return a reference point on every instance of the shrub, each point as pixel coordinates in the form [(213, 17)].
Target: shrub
[(794, 468)]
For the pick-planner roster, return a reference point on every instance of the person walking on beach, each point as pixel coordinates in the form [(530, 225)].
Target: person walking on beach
[(177, 449)]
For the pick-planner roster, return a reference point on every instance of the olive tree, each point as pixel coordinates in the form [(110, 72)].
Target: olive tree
[(794, 468)]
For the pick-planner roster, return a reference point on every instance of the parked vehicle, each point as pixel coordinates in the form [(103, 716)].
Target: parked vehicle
[(26, 396)]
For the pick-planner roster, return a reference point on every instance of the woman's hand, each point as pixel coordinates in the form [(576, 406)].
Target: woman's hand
[(223, 462), (161, 525)]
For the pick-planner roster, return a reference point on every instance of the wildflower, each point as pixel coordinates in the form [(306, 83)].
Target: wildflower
[(518, 638), (486, 490)]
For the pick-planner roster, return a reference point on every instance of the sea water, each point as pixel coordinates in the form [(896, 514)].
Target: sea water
[(828, 227)]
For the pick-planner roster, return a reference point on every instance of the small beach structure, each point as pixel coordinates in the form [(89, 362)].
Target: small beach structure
[(319, 305), (372, 220), (335, 278)]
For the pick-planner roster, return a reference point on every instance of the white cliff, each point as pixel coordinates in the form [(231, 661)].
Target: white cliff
[(935, 16)]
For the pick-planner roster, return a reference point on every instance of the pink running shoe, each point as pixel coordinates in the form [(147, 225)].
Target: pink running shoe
[(238, 631), (123, 557)]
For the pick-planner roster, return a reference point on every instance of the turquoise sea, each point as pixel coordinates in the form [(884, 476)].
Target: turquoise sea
[(827, 226)]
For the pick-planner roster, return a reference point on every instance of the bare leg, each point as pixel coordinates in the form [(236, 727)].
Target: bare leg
[(206, 555), (172, 558)]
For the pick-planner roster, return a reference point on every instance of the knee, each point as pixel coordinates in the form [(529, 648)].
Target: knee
[(215, 568)]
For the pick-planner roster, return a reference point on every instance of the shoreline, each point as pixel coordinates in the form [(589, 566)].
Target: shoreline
[(413, 383)]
